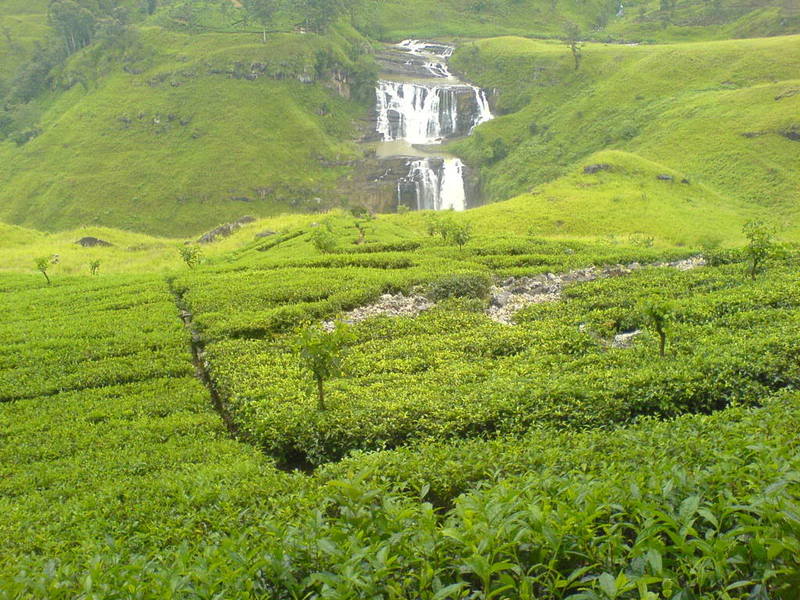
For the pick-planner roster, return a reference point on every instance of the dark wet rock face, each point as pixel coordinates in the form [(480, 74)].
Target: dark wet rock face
[(592, 169), (224, 231), (791, 134), (93, 242)]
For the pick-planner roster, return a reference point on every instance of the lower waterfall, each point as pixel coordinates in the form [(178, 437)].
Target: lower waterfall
[(434, 184)]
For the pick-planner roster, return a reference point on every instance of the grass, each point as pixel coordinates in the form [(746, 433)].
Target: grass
[(715, 113), (641, 19), (174, 162), (130, 252)]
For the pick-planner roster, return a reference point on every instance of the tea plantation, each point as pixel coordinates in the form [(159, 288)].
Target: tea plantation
[(161, 438), (236, 365)]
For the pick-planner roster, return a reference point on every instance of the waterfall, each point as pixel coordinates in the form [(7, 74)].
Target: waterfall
[(452, 194), (484, 112), (428, 113), (436, 184)]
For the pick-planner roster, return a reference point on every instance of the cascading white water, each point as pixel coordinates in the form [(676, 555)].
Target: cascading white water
[(484, 112), (426, 113), (452, 193), (429, 113), (438, 185)]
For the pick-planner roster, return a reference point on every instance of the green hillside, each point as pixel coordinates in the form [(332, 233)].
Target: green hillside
[(640, 20), (720, 117), (187, 140)]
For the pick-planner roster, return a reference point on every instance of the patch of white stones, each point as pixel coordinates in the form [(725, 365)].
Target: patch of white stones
[(389, 305), (515, 293), (511, 295)]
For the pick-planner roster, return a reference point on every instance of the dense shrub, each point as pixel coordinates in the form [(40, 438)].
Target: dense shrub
[(462, 285)]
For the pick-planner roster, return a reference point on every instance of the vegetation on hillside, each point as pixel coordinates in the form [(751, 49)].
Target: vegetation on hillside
[(513, 460), (695, 129), (587, 392)]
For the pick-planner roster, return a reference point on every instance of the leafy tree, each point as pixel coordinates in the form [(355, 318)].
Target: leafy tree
[(572, 38), (94, 267), (761, 245), (321, 13), (191, 255), (321, 353), (43, 264), (323, 240), (459, 234), (262, 11), (74, 24), (657, 314)]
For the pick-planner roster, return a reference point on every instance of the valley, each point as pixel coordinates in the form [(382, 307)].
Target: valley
[(432, 300)]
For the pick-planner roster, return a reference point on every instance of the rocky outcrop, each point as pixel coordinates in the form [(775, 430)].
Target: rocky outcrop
[(592, 169), (513, 294), (93, 242), (224, 231), (389, 305), (793, 133), (625, 340)]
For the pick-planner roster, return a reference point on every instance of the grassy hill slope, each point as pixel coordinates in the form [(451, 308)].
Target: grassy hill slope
[(183, 133), (720, 115), (639, 20)]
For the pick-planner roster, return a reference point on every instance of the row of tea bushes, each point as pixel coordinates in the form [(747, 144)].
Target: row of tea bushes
[(698, 507), (452, 373)]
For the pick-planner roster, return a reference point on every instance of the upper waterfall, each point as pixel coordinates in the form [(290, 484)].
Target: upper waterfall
[(423, 113)]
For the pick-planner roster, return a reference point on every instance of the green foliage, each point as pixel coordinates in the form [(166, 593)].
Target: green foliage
[(94, 266), (320, 352), (760, 246), (456, 432), (262, 11), (75, 24), (466, 285), (572, 38), (657, 314), (191, 255), (324, 241), (459, 234), (43, 264)]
